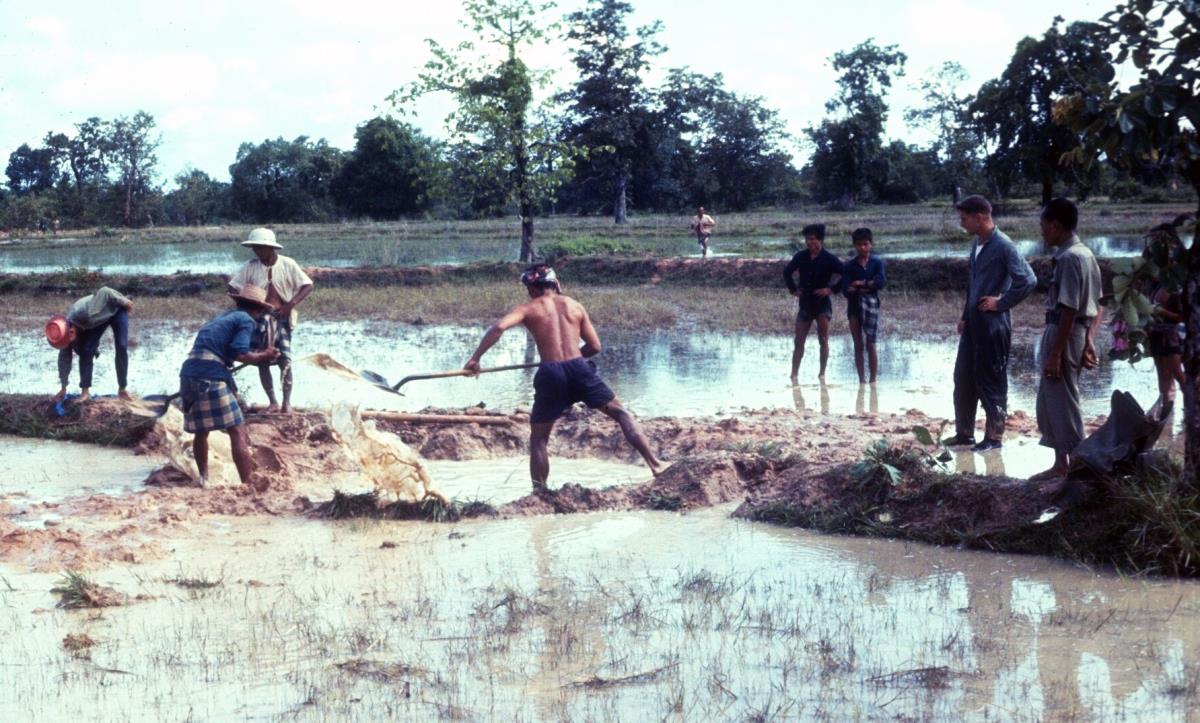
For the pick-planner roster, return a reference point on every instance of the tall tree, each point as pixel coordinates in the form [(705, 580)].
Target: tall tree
[(944, 113), (392, 171), (285, 181), (31, 170), (132, 147), (1014, 112), (496, 121), (198, 199), (846, 146), (1154, 121), (609, 104)]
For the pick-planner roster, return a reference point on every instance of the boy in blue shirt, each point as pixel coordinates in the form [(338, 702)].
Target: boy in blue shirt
[(863, 277), (206, 386), (814, 269)]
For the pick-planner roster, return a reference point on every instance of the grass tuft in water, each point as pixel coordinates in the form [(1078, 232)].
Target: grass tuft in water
[(344, 506), (76, 591)]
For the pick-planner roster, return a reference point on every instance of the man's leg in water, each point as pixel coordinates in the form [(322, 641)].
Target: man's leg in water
[(856, 335), (539, 455), (802, 328), (823, 340), (633, 434)]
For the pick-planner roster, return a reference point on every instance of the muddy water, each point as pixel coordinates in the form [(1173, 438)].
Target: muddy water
[(696, 617), (672, 373), (37, 470), (224, 257)]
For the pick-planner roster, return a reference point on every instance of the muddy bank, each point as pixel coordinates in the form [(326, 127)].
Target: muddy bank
[(936, 274), (108, 422)]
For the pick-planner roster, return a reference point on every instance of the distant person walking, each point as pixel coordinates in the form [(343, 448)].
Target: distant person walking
[(813, 276), (287, 285), (566, 374), (1068, 343), (999, 279), (702, 226), (863, 276), (79, 332)]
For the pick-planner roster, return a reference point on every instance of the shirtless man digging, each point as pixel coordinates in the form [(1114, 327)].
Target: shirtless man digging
[(565, 375)]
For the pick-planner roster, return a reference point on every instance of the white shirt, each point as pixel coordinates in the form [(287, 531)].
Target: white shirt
[(285, 275)]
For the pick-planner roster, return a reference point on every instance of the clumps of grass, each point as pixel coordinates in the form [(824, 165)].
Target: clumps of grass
[(76, 591), (664, 501), (934, 677), (598, 683), (517, 608), (432, 509), (384, 672), (195, 584), (78, 644), (33, 415), (589, 246)]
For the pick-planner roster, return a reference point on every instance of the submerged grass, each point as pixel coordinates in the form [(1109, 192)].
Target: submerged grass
[(344, 506)]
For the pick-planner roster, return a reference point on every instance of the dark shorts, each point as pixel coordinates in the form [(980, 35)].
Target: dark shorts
[(558, 385), (702, 238), (810, 310), (1164, 342)]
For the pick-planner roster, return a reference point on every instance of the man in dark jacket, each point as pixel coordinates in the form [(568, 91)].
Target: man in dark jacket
[(818, 276), (999, 280)]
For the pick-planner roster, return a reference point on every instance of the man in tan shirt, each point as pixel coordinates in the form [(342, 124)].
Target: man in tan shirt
[(566, 374), (287, 285), (702, 226)]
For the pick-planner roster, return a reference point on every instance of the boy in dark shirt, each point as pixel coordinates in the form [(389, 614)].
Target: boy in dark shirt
[(814, 269), (863, 277)]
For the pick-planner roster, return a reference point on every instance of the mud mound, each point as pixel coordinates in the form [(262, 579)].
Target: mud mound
[(433, 509), (107, 420)]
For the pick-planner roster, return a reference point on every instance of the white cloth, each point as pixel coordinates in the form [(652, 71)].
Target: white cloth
[(285, 275)]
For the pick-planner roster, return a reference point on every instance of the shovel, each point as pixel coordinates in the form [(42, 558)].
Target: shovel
[(381, 382)]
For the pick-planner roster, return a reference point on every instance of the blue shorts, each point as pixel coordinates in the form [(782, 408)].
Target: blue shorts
[(558, 385)]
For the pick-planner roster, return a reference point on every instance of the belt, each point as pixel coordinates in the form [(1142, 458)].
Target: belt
[(1053, 315), (205, 355)]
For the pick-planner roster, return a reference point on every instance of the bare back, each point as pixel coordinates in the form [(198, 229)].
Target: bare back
[(558, 323)]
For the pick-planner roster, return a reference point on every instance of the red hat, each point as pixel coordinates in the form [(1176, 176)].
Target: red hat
[(60, 332)]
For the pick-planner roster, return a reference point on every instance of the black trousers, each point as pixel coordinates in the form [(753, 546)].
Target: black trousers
[(981, 374), (88, 347)]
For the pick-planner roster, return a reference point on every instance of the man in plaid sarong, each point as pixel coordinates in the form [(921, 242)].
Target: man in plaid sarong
[(207, 389)]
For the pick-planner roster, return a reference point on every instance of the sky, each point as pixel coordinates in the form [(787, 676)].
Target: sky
[(218, 73)]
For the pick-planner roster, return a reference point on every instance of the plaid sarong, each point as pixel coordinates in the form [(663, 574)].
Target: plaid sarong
[(869, 314), (208, 405), (270, 328)]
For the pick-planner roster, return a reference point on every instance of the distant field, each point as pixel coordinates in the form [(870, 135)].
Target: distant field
[(762, 233)]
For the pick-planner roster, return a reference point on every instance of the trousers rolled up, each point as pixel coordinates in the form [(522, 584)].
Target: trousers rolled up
[(1059, 414), (981, 374), (88, 346)]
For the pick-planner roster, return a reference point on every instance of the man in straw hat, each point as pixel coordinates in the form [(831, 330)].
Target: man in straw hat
[(287, 285), (565, 375), (79, 332), (206, 386)]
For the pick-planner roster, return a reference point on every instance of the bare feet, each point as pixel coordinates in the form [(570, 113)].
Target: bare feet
[(286, 409), (661, 468), (271, 409), (62, 394), (123, 394), (85, 396), (259, 484)]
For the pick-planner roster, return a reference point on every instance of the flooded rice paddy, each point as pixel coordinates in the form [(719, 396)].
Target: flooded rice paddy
[(224, 257), (665, 373), (618, 616)]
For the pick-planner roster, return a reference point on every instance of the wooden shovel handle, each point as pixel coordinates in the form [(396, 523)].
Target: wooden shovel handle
[(460, 373)]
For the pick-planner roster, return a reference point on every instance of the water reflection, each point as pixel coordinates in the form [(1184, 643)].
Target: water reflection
[(224, 257), (662, 373)]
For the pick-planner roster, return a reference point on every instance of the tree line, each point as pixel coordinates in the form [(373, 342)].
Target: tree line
[(608, 143)]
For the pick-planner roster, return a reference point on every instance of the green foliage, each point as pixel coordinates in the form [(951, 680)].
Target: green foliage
[(1014, 113), (848, 144), (877, 464), (393, 171), (285, 181), (198, 199), (31, 170), (589, 246), (512, 145)]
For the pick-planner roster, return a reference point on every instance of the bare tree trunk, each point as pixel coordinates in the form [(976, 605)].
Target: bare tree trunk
[(621, 201), (528, 250), (1191, 350)]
